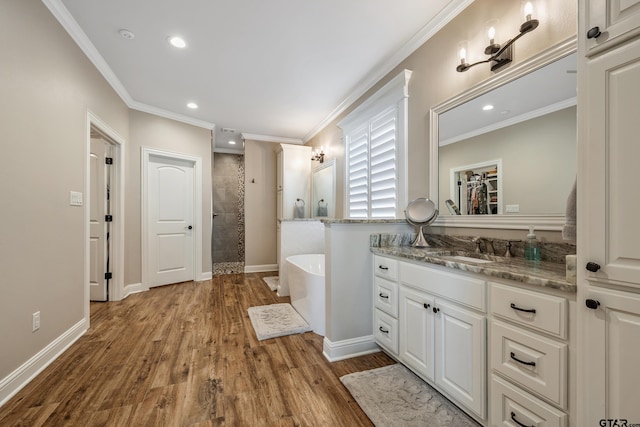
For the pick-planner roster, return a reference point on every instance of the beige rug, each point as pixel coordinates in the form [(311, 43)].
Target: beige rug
[(395, 396), (272, 282), (276, 320)]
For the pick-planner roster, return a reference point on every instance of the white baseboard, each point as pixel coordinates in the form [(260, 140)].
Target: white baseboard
[(346, 349), (260, 268), (134, 288), (204, 276), (19, 378)]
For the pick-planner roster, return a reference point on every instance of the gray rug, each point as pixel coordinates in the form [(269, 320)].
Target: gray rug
[(276, 320), (395, 396), (272, 282)]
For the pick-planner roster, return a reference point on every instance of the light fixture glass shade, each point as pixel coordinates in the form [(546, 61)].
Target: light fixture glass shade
[(527, 9)]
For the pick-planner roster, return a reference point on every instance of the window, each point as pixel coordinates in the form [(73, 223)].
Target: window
[(375, 144)]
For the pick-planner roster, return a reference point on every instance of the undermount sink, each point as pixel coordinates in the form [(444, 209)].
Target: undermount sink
[(467, 259)]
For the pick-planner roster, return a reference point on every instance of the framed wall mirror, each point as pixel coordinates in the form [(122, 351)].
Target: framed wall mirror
[(503, 153), (323, 190)]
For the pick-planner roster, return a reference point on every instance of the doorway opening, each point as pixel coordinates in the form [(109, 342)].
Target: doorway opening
[(227, 243)]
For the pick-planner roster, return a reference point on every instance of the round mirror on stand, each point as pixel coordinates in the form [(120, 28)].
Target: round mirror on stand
[(420, 212)]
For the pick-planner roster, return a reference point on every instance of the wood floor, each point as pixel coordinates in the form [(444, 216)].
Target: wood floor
[(187, 355)]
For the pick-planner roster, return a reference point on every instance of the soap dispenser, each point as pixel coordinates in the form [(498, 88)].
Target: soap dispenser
[(531, 247)]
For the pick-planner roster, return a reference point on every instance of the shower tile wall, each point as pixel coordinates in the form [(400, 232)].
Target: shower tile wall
[(228, 203)]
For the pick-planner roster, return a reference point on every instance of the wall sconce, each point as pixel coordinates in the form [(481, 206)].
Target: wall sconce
[(500, 55), (318, 155)]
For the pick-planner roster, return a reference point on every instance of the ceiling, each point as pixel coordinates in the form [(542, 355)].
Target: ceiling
[(273, 70)]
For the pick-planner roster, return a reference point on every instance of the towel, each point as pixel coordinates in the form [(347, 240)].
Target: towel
[(569, 228), (298, 209), (323, 209)]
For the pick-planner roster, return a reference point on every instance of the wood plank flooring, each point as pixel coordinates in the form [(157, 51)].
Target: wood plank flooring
[(187, 355)]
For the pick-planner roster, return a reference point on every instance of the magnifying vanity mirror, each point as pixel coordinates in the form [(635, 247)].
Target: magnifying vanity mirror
[(323, 190), (503, 154)]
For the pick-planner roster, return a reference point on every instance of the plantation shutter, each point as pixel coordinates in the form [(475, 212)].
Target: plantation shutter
[(358, 184), (383, 166)]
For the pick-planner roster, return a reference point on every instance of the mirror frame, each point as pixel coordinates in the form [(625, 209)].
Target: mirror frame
[(514, 222)]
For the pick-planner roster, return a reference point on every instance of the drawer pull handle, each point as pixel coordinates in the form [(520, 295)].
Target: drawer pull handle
[(531, 310), (425, 305), (513, 418), (513, 356), (436, 309), (383, 295), (383, 330), (382, 267)]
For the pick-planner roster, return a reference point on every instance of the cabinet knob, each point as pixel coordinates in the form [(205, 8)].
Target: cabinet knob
[(425, 305), (436, 309), (594, 33), (593, 267), (592, 304)]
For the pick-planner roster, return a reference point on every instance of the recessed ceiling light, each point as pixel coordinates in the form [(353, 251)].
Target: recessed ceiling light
[(487, 107), (126, 34), (177, 42), (232, 142), (192, 105)]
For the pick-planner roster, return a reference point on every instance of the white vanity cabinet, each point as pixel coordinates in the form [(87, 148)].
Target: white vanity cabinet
[(385, 297), (528, 357), (440, 326), (608, 226)]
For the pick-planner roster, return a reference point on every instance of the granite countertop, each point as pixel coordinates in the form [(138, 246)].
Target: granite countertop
[(542, 273)]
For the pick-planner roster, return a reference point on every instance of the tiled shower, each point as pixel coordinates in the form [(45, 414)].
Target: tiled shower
[(227, 244)]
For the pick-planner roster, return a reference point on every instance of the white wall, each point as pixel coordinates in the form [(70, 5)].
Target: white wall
[(349, 287)]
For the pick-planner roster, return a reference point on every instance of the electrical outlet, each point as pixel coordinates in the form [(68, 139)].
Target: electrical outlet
[(513, 208), (36, 321)]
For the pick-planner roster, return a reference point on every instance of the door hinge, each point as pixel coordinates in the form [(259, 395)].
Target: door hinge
[(108, 218), (108, 160), (107, 276)]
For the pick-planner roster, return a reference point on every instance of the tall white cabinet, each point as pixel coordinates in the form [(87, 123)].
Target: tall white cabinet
[(608, 206)]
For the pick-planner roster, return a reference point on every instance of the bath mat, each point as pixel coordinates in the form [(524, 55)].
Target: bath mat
[(276, 320), (395, 396), (272, 282)]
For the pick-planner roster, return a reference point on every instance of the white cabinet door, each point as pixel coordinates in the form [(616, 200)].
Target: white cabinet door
[(616, 20), (461, 366), (416, 332), (611, 349), (611, 202)]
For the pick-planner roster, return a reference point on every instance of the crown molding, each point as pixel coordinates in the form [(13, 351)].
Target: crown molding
[(268, 138), (145, 108), (429, 30)]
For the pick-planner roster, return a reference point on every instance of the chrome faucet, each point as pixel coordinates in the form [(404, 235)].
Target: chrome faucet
[(488, 245)]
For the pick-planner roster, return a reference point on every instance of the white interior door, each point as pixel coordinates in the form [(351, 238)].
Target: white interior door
[(170, 219), (97, 226)]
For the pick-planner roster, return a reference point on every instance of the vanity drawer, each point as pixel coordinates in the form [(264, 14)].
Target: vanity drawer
[(386, 296), (385, 331), (537, 363), (511, 407), (456, 287), (546, 313), (385, 267)]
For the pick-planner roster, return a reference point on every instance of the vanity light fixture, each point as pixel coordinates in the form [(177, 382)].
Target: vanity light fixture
[(500, 55), (318, 155)]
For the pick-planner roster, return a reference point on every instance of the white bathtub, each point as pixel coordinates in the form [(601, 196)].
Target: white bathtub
[(305, 275)]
